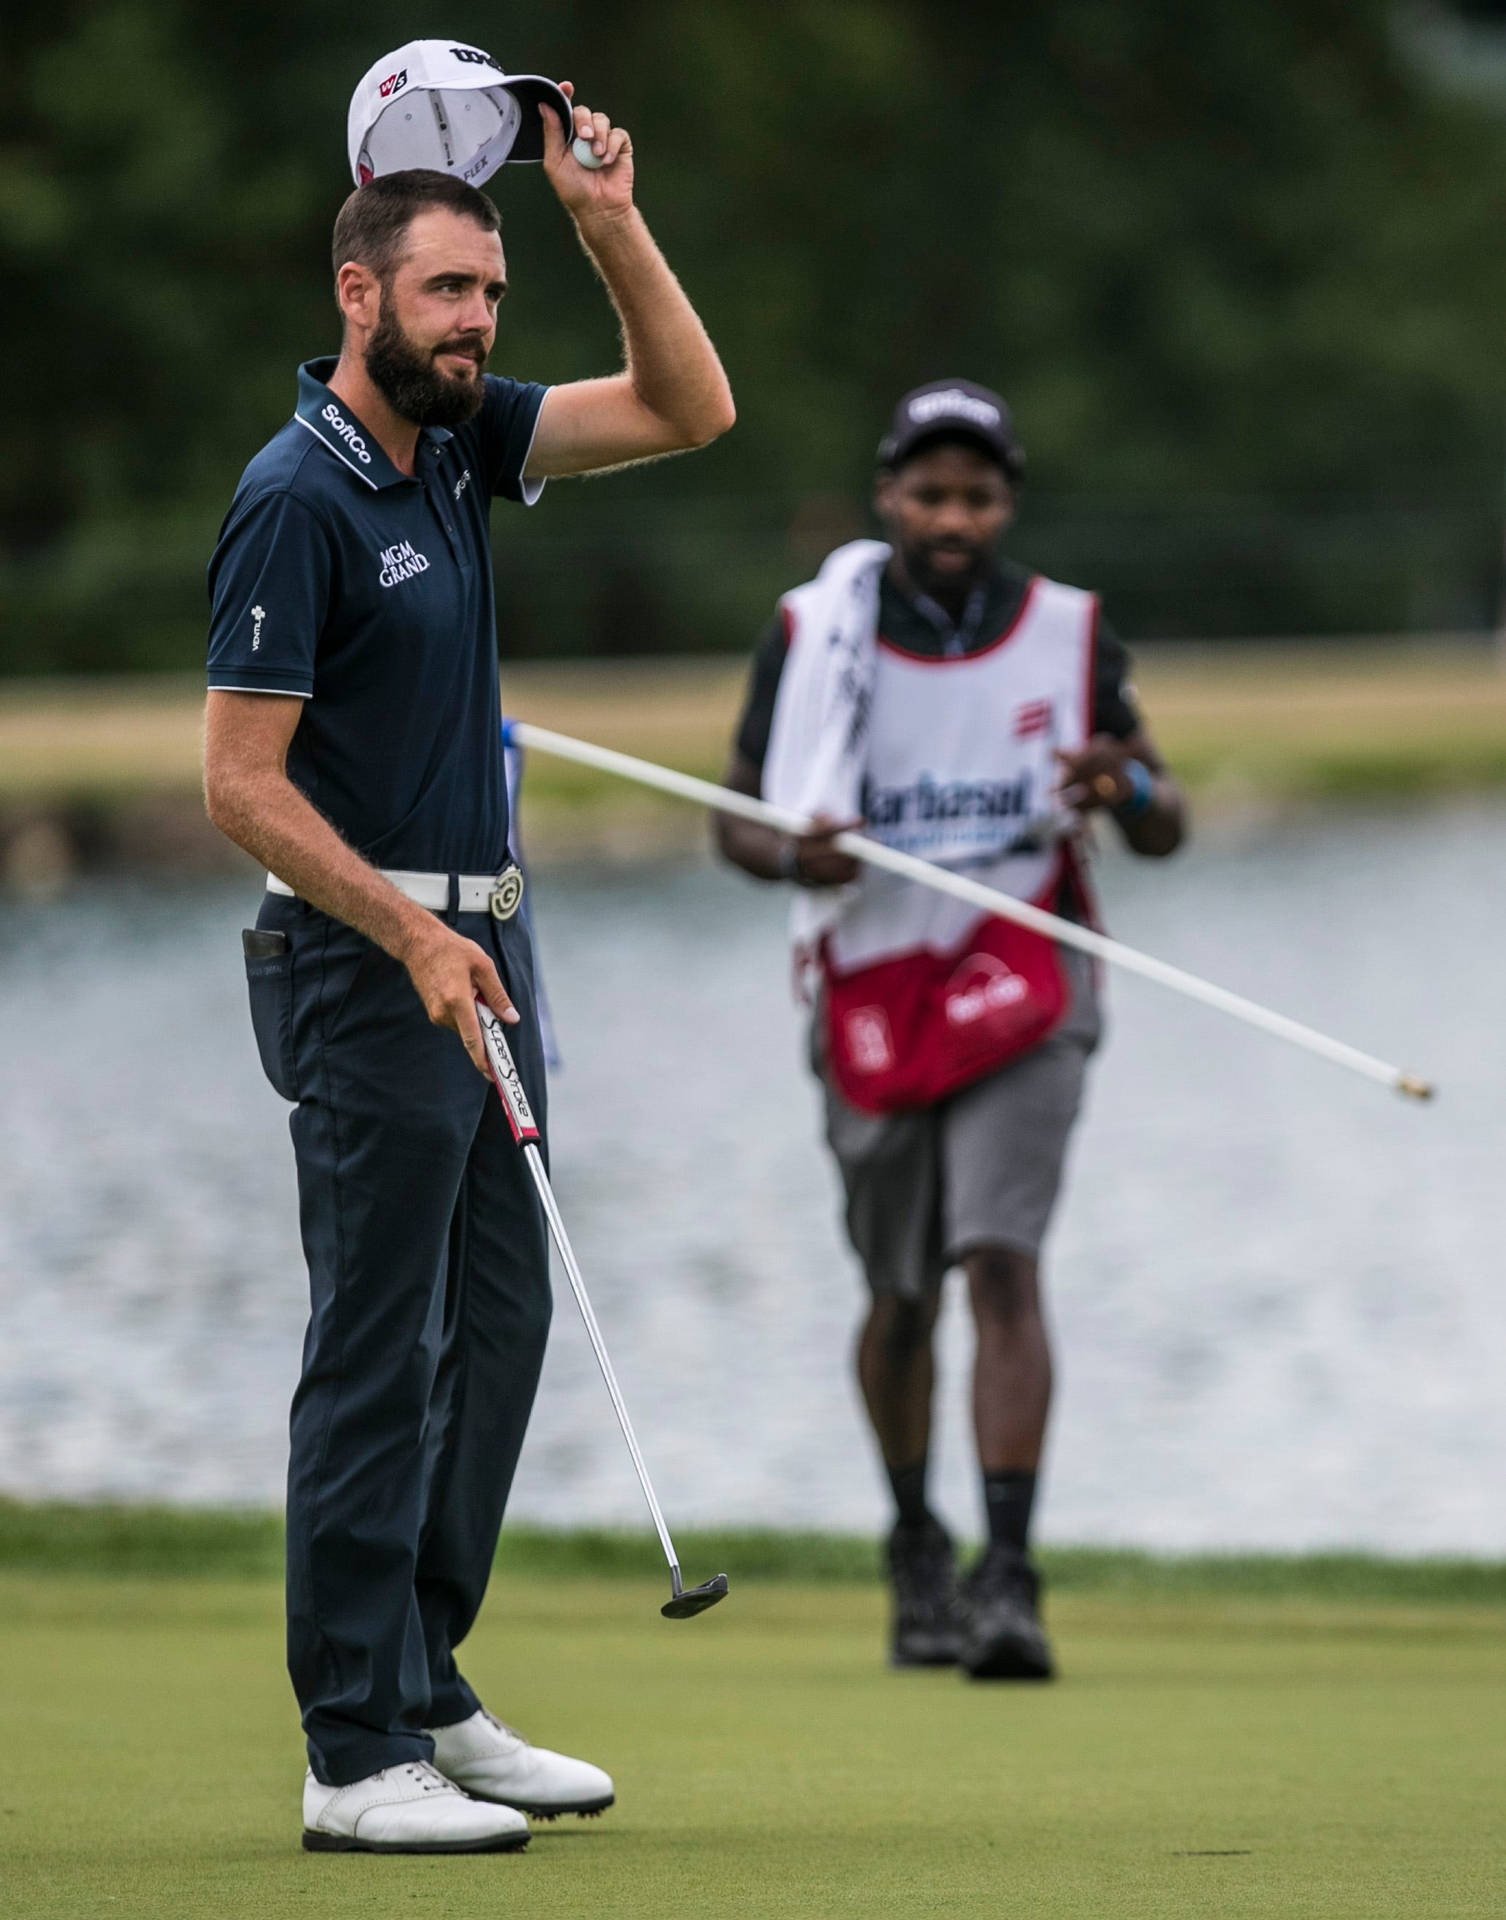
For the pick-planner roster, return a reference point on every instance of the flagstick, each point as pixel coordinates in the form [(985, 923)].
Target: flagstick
[(1066, 933)]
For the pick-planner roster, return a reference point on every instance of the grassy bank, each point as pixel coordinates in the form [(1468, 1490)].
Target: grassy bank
[(1251, 724), (129, 1542), (1280, 1758)]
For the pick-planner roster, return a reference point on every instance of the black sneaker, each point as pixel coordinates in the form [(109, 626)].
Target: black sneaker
[(923, 1583), (1001, 1626)]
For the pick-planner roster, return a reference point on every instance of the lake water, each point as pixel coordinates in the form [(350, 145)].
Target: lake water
[(1276, 1290)]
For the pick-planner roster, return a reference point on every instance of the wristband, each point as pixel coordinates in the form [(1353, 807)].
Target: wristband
[(1142, 790)]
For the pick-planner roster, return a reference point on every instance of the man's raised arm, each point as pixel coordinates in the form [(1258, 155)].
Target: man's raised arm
[(672, 394)]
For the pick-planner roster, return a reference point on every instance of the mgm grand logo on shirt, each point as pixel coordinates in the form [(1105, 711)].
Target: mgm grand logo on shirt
[(400, 563)]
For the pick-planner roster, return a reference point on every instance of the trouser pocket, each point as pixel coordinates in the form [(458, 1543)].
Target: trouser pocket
[(269, 981)]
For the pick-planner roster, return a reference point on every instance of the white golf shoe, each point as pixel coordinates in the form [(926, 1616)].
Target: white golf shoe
[(405, 1809), (494, 1763)]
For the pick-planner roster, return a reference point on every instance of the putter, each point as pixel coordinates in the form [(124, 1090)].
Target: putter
[(683, 1601)]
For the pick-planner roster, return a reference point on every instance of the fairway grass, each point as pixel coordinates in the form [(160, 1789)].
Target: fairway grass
[(1204, 1756)]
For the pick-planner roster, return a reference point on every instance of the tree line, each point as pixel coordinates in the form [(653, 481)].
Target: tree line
[(1238, 270)]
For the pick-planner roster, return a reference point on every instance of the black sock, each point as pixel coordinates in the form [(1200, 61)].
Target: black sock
[(1007, 1500), (909, 1484)]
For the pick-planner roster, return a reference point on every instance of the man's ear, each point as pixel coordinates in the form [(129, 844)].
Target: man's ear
[(883, 489), (359, 293)]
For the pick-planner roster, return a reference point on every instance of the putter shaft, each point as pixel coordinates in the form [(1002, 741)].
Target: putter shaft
[(598, 1347), (681, 1605)]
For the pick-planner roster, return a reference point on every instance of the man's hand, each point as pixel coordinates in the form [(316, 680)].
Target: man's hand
[(448, 971), (585, 191), (809, 859), (1094, 776), (815, 862), (671, 394), (251, 799)]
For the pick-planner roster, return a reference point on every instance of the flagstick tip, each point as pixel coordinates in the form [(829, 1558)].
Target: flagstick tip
[(1415, 1089)]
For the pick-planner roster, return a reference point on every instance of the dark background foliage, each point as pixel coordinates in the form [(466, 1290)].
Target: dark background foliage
[(1238, 268)]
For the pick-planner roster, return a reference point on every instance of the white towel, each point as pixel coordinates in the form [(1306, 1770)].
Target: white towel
[(819, 735)]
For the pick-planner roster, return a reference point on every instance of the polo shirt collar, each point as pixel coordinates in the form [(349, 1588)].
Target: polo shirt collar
[(333, 423)]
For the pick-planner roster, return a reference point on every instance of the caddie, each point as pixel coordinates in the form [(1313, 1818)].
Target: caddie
[(353, 747), (972, 713)]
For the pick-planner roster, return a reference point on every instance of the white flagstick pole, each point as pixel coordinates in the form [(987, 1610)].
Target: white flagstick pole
[(1066, 932)]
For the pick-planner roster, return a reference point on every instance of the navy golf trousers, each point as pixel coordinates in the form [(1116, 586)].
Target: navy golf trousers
[(428, 1266)]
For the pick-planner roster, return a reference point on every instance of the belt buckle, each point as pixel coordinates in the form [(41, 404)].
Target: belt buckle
[(507, 894)]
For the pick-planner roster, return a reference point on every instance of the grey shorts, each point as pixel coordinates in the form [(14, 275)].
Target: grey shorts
[(979, 1169)]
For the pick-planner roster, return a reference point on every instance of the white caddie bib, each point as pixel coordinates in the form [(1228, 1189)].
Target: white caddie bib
[(961, 770)]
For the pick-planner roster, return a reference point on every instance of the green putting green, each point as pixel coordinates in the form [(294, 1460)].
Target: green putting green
[(1211, 1751)]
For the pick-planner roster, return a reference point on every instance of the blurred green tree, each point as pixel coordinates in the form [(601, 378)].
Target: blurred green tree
[(1236, 267)]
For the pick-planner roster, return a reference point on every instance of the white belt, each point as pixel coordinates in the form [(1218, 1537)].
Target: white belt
[(499, 894)]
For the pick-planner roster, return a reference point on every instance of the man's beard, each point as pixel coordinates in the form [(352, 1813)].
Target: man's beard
[(410, 381), (945, 583)]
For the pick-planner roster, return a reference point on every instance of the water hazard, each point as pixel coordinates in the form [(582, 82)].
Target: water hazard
[(1276, 1290)]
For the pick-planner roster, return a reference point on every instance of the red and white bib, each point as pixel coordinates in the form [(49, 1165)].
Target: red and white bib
[(923, 995)]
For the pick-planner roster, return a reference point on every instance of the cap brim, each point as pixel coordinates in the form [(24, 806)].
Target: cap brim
[(533, 89), (895, 449)]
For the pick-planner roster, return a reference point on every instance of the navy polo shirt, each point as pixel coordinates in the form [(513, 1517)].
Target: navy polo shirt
[(341, 582)]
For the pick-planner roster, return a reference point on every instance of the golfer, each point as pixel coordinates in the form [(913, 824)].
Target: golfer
[(353, 748), (965, 710)]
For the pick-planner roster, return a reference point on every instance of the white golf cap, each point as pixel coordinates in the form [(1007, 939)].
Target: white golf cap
[(446, 105)]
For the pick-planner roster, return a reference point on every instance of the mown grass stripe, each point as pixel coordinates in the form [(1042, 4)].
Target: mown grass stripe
[(112, 1540)]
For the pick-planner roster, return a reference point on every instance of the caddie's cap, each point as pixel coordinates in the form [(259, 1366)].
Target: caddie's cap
[(948, 408), (446, 105)]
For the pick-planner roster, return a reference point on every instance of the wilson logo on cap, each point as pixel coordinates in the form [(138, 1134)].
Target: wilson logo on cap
[(956, 404), (394, 83)]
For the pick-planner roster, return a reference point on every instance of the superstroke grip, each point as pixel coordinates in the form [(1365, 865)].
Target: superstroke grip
[(504, 1073)]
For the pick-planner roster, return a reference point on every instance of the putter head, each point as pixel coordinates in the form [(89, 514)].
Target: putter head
[(695, 1599)]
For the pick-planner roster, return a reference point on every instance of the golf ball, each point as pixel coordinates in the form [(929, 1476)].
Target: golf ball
[(583, 154)]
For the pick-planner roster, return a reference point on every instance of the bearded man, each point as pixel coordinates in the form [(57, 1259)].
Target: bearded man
[(353, 747), (963, 709)]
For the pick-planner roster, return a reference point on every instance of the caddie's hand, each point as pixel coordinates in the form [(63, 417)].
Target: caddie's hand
[(448, 971), (1094, 776), (584, 191), (814, 862)]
